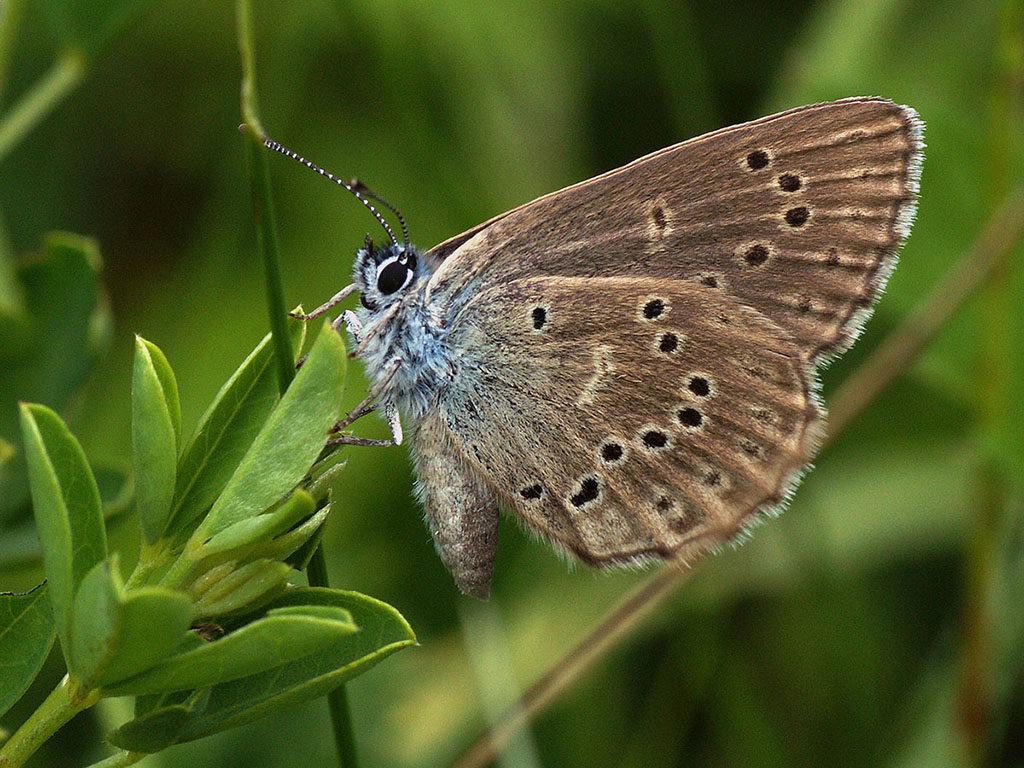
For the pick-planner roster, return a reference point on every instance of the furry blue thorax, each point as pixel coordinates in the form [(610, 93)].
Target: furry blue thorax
[(393, 314)]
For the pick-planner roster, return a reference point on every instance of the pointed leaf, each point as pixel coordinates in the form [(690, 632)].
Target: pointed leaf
[(382, 631), (66, 504), (156, 421), (286, 547), (261, 528), (280, 637), (26, 634), (224, 434), (168, 383), (289, 441), (116, 633)]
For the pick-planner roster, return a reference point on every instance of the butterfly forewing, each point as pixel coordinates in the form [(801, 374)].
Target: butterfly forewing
[(797, 215), (626, 417)]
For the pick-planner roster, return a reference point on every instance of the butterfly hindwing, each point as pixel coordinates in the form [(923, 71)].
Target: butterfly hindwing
[(798, 215), (627, 417)]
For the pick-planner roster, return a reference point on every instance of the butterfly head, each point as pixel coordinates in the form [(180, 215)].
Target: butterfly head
[(386, 273)]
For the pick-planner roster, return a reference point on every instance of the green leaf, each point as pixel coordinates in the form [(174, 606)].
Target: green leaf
[(66, 504), (117, 633), (282, 636), (168, 383), (245, 589), (156, 424), (261, 528), (224, 434), (289, 441), (45, 356), (160, 726), (382, 631), (26, 634), (298, 547), (287, 546)]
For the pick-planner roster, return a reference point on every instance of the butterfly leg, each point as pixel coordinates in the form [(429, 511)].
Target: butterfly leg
[(366, 406), (349, 320), (334, 301), (461, 511)]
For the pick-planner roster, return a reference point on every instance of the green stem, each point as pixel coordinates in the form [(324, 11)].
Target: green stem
[(266, 233), (64, 702), (263, 204), (337, 700), (63, 77), (266, 238)]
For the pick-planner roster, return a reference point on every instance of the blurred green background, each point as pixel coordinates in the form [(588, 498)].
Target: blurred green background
[(840, 634)]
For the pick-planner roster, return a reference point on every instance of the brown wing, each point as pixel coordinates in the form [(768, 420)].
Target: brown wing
[(798, 215), (628, 417)]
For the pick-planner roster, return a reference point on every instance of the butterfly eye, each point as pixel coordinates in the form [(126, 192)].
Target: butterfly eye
[(392, 276)]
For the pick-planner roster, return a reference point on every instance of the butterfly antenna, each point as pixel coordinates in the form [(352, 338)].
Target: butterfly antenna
[(357, 184), (358, 193)]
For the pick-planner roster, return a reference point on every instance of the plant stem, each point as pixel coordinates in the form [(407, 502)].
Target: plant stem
[(337, 700), (266, 233), (47, 93), (64, 702), (263, 204)]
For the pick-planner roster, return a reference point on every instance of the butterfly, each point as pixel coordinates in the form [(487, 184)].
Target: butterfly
[(628, 365)]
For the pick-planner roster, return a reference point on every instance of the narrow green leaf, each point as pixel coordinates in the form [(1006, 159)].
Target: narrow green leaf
[(270, 642), (168, 383), (248, 588), (261, 528), (300, 555), (156, 421), (224, 433), (116, 634), (66, 504), (286, 546), (290, 440), (26, 634), (160, 726), (382, 631)]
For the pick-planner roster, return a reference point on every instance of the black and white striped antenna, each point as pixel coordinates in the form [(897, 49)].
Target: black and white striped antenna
[(359, 190)]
